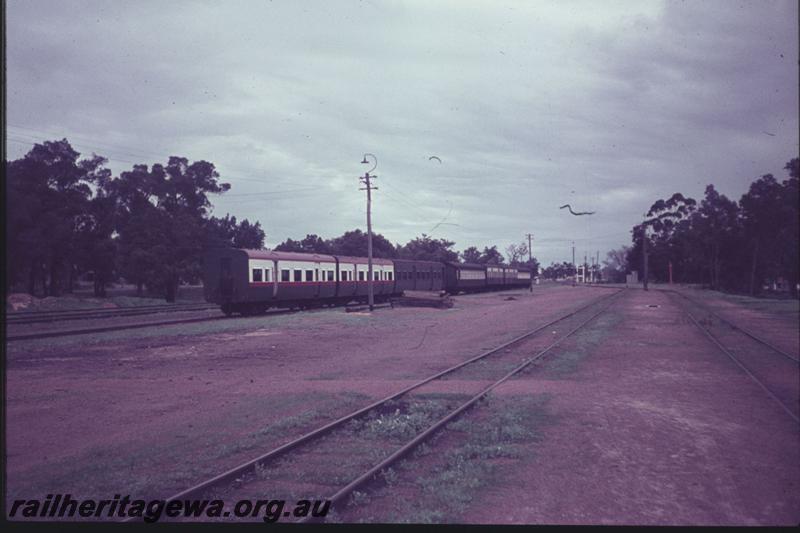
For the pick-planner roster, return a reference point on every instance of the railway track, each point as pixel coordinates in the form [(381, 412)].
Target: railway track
[(249, 471), (119, 327), (773, 370), (745, 331), (35, 317), (140, 325), (105, 329)]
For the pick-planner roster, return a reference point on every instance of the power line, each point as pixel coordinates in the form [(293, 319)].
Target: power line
[(267, 193)]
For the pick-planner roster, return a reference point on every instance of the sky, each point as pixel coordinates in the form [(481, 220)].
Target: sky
[(528, 105)]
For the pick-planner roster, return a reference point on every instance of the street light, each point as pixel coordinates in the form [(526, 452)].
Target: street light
[(368, 187)]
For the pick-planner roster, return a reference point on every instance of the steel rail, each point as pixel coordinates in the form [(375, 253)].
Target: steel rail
[(107, 314), (416, 441), (26, 314), (104, 329), (272, 454), (734, 326), (733, 358)]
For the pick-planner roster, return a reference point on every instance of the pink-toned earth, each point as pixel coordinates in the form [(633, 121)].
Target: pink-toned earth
[(653, 427)]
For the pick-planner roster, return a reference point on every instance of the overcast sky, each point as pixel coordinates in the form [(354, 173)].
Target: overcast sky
[(530, 105)]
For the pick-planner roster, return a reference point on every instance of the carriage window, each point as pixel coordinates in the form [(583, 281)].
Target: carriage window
[(285, 275), (256, 275), (361, 276), (266, 274), (375, 275), (330, 275), (309, 275), (389, 276), (316, 274), (298, 275)]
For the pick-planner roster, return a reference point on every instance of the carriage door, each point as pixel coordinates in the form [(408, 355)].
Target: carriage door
[(225, 278), (317, 279)]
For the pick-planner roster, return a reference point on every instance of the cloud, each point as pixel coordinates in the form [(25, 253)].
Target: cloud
[(524, 102)]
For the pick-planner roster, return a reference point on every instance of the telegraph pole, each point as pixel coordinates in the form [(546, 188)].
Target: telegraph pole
[(596, 267), (644, 251), (574, 267), (530, 258), (369, 188), (585, 267)]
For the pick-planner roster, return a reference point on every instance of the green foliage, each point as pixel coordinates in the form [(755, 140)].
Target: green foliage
[(351, 243), (427, 249), (68, 216), (558, 270), (471, 255), (721, 243), (491, 256), (50, 215), (226, 232)]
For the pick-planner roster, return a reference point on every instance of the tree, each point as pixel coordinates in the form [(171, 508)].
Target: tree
[(427, 249), (770, 226), (558, 270), (471, 255), (163, 223), (310, 244), (491, 256), (516, 253), (717, 227), (226, 232), (519, 256), (354, 243), (664, 218), (616, 265), (49, 194)]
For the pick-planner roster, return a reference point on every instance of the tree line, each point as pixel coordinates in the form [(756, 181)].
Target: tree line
[(424, 248), (68, 217), (721, 243)]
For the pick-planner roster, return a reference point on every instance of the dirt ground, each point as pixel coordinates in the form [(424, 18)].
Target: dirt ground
[(654, 427), (153, 411), (648, 424)]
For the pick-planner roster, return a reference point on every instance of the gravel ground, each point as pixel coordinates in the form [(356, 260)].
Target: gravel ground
[(139, 410), (645, 422), (654, 427)]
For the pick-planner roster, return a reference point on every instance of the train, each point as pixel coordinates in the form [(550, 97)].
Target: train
[(250, 282)]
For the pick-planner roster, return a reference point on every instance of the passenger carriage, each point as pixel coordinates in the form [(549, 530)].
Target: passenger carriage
[(415, 275), (464, 277), (252, 281)]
